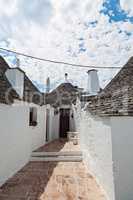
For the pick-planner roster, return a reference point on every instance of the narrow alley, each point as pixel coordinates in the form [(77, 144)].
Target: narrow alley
[(53, 180)]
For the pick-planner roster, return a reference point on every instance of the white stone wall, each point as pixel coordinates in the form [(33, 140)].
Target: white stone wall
[(122, 141), (38, 132), (72, 121), (95, 139), (17, 139), (53, 124)]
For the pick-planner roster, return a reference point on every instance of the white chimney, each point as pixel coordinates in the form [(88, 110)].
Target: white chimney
[(93, 86), (48, 85), (16, 78)]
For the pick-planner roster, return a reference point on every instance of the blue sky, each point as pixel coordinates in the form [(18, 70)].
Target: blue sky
[(84, 32), (113, 10)]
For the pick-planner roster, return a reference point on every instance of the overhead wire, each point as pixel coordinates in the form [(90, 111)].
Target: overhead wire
[(56, 61)]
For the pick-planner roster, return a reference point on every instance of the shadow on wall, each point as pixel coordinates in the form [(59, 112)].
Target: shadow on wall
[(31, 182)]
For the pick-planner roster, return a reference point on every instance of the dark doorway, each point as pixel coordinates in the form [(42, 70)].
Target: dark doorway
[(64, 122)]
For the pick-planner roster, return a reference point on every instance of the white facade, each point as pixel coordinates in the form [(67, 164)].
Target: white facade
[(72, 121), (16, 79), (107, 145), (18, 139), (54, 122), (53, 128), (122, 142), (39, 132), (106, 142), (95, 141)]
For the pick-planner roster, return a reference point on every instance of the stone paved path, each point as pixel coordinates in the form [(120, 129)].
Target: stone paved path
[(52, 181), (59, 145)]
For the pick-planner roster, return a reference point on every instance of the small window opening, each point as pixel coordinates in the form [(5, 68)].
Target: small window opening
[(33, 116)]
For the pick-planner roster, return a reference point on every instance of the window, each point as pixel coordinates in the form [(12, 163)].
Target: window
[(33, 116)]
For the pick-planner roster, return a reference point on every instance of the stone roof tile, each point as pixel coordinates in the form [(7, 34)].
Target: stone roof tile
[(64, 94), (31, 93)]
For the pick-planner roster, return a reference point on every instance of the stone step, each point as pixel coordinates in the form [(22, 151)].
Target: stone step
[(57, 159), (55, 154)]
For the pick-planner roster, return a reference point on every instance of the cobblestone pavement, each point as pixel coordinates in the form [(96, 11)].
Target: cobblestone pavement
[(52, 180)]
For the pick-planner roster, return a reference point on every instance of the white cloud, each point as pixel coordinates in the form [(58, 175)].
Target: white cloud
[(22, 14), (52, 33), (8, 8), (38, 11), (127, 5)]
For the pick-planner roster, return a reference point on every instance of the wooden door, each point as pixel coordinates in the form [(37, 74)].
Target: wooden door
[(64, 122)]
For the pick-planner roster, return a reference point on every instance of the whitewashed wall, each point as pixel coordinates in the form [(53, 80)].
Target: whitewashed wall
[(38, 132), (95, 139), (72, 121), (17, 139), (122, 141), (54, 124)]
